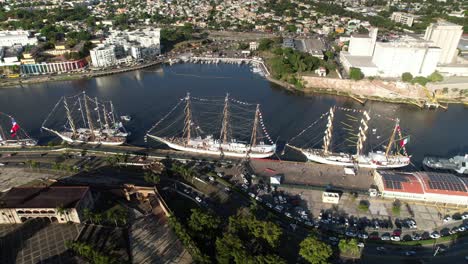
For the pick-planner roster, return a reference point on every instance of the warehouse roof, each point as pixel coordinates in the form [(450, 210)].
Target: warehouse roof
[(424, 182), (40, 197)]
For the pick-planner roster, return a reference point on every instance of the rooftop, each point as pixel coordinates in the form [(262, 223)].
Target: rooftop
[(425, 182), (39, 197)]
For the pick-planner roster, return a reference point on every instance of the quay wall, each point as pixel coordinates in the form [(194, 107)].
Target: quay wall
[(365, 88)]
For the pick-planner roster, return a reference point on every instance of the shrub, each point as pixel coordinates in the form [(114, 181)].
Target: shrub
[(356, 74), (406, 77), (363, 206), (435, 77), (396, 207), (420, 79)]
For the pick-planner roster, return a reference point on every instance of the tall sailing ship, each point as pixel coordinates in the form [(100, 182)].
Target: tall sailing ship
[(17, 136), (394, 154), (234, 123), (86, 121)]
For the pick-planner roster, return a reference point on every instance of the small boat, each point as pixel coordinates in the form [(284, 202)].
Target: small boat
[(126, 118), (458, 164)]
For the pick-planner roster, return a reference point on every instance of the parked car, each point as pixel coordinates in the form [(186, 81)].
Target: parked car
[(350, 234), (395, 238), (198, 199), (464, 216), (363, 235), (447, 219), (360, 244), (416, 237), (385, 237), (410, 253), (435, 235)]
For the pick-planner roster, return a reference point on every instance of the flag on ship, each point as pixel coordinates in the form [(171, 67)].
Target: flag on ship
[(14, 127), (403, 142)]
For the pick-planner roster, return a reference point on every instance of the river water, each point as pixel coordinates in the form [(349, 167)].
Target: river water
[(149, 94)]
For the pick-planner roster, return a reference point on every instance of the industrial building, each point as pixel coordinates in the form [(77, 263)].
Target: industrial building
[(430, 187), (60, 204), (446, 36), (390, 59), (403, 18)]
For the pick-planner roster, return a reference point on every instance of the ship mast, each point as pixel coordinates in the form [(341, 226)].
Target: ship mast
[(362, 133), (69, 117), (188, 119), (82, 113), (106, 119), (328, 132), (224, 126), (253, 139), (392, 138), (112, 114), (88, 116), (97, 110)]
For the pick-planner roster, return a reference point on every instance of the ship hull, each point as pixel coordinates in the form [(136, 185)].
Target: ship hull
[(324, 160), (18, 143), (77, 141), (456, 164), (213, 152)]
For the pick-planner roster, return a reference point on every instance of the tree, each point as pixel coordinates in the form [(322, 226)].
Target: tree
[(330, 55), (420, 79), (265, 44), (435, 77), (202, 221), (152, 178), (406, 77), (349, 248), (356, 74), (314, 250)]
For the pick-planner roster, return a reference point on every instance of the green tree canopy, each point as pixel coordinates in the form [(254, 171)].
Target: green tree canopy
[(314, 250), (349, 248), (406, 77), (356, 74)]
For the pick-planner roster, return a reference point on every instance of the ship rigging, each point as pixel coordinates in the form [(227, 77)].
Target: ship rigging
[(190, 126), (353, 133), (86, 120), (16, 137)]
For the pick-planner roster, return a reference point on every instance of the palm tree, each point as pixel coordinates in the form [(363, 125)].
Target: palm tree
[(61, 210)]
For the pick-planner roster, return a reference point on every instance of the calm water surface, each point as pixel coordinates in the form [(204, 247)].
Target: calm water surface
[(149, 94)]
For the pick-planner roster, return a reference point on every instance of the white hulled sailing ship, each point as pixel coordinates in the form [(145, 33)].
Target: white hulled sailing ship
[(87, 121), (17, 136), (191, 137), (384, 159)]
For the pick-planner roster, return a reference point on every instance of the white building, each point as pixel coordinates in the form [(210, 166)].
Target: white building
[(253, 45), (417, 57), (445, 35), (390, 59), (363, 44), (60, 204), (21, 37), (403, 18), (103, 56)]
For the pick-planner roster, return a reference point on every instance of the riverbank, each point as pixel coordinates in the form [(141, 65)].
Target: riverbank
[(377, 90), (12, 83)]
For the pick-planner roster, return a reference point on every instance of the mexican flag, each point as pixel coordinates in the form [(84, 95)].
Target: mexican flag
[(404, 141)]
